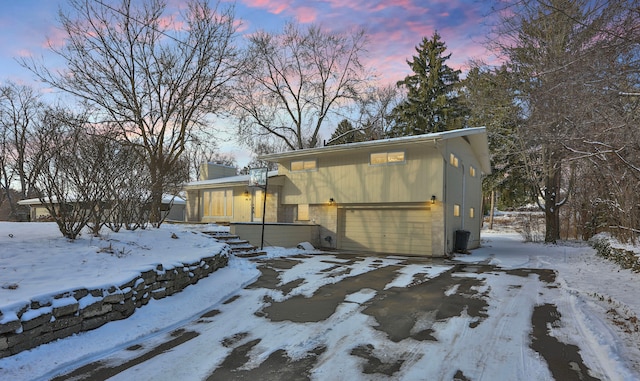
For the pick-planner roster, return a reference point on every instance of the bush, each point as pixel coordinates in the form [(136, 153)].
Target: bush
[(627, 259), (531, 226)]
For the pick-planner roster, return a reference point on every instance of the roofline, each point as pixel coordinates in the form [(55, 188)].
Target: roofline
[(414, 139), (237, 180), (175, 200)]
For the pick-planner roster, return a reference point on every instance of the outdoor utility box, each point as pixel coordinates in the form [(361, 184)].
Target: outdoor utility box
[(461, 241)]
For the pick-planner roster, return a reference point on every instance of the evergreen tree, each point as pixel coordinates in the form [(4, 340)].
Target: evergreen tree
[(432, 101), (345, 133), (491, 100)]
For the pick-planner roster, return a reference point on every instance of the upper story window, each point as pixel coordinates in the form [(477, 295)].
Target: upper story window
[(386, 158), (453, 160), (303, 165)]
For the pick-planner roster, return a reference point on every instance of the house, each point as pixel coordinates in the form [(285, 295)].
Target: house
[(409, 195), (222, 197), (173, 208)]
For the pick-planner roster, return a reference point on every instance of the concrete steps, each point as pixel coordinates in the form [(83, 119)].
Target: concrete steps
[(239, 247)]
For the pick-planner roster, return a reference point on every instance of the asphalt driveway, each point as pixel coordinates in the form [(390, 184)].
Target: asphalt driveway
[(352, 317)]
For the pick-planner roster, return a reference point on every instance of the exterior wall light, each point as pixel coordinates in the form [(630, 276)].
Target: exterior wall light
[(433, 199), (246, 195), (332, 201)]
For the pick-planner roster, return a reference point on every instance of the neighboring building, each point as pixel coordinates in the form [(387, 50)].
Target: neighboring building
[(173, 208), (405, 195)]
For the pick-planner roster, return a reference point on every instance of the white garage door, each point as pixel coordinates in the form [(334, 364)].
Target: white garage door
[(402, 231)]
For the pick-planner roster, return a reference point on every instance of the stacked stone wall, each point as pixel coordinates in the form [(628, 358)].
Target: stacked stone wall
[(68, 313)]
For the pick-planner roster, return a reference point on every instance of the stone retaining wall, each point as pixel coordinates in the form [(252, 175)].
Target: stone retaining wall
[(83, 310)]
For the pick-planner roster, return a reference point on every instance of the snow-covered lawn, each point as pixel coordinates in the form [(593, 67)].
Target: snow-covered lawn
[(36, 262), (597, 300)]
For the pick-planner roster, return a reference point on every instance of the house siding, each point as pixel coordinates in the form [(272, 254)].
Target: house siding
[(349, 178), (463, 190), (193, 206), (39, 212), (327, 217), (285, 235)]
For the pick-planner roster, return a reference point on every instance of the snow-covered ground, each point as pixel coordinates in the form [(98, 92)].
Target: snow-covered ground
[(597, 300)]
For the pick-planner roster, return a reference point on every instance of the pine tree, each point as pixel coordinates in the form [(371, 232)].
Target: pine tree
[(345, 133), (432, 102)]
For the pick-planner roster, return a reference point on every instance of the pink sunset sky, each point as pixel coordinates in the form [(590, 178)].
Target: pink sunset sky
[(394, 28)]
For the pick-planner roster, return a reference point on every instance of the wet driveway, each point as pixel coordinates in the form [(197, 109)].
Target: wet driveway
[(352, 317)]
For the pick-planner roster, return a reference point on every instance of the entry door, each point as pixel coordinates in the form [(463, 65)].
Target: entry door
[(402, 231), (257, 200)]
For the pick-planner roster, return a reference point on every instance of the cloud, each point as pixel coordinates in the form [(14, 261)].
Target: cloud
[(380, 5), (25, 53), (241, 25), (170, 23), (272, 6), (306, 15)]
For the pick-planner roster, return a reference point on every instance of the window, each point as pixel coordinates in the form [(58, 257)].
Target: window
[(386, 158), (303, 212), (303, 165), (378, 158), (453, 160), (258, 203), (217, 203), (472, 212), (472, 171), (456, 210)]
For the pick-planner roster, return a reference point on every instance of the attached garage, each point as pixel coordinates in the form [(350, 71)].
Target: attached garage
[(385, 230)]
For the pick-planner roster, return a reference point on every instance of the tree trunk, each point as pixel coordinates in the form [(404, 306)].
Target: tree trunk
[(155, 214), (493, 202), (551, 207)]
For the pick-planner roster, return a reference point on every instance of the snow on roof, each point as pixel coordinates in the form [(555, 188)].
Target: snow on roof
[(175, 200), (240, 179), (166, 199), (477, 138)]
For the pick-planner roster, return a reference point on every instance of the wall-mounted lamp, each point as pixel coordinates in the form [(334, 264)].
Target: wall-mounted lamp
[(246, 195), (332, 201), (433, 199)]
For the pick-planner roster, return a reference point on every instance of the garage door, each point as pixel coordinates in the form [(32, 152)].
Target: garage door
[(402, 231)]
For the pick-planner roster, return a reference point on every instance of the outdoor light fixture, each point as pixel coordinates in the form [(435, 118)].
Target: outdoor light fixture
[(246, 195), (332, 201), (433, 199)]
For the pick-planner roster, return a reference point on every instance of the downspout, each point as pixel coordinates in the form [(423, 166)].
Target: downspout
[(445, 202), (464, 196), (445, 162)]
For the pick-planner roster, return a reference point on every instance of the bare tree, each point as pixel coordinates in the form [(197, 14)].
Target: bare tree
[(260, 149), (375, 110), (294, 80), (68, 167), (127, 192), (153, 80), (20, 110), (203, 151)]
